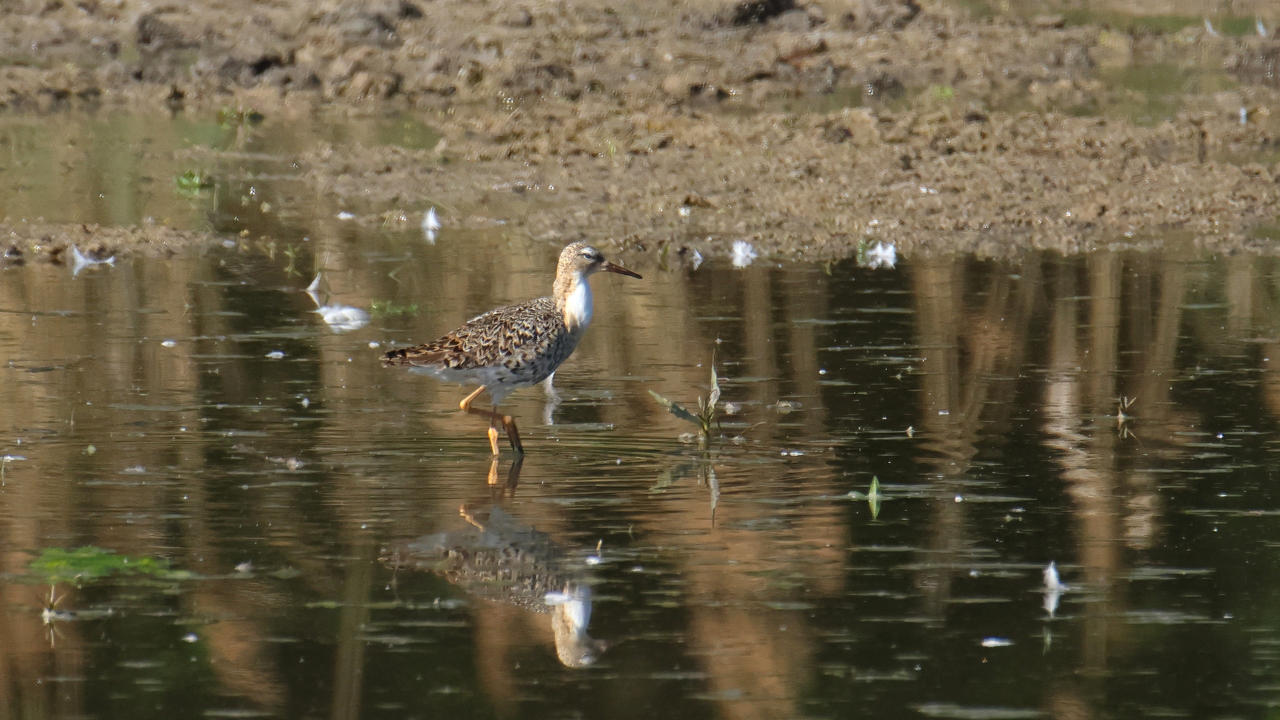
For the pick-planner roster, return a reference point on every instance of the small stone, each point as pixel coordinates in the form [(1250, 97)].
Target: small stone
[(751, 12), (696, 200)]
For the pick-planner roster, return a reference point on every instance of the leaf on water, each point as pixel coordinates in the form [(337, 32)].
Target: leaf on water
[(873, 497), (675, 409)]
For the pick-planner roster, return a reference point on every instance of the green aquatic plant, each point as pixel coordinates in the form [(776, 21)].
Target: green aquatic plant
[(704, 465), (872, 496), (706, 413), (860, 251), (89, 563), (291, 254), (192, 182), (705, 470), (1124, 420), (389, 308)]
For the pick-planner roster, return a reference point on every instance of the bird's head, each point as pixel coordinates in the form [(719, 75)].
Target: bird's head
[(582, 259)]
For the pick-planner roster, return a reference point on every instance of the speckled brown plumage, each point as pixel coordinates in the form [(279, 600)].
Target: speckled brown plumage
[(501, 559), (505, 348), (515, 345)]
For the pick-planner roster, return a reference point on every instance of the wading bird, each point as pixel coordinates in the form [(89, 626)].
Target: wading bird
[(514, 346)]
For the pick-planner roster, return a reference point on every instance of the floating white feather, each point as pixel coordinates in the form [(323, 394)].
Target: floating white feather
[(80, 261), (430, 225), (882, 255)]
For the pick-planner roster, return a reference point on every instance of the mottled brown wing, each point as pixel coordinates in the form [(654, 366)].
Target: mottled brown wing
[(416, 355), (484, 341)]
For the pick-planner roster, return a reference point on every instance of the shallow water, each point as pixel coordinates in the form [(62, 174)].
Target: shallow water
[(309, 534), (200, 412)]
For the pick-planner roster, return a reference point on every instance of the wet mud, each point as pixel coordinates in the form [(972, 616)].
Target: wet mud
[(805, 128)]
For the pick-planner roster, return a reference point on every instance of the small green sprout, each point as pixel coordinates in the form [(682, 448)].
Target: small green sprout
[(291, 254), (872, 496), (192, 182), (706, 413)]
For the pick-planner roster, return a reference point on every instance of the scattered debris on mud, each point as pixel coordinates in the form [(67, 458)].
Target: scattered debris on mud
[(805, 128), (80, 245)]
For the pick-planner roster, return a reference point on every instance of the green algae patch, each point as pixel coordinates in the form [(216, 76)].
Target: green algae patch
[(89, 563)]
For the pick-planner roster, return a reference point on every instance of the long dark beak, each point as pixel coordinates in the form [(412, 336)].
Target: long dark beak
[(610, 267)]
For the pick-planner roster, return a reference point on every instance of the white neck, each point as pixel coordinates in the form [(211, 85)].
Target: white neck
[(577, 306)]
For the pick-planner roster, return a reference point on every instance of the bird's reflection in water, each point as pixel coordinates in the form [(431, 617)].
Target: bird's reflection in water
[(500, 486), (498, 558), (552, 402)]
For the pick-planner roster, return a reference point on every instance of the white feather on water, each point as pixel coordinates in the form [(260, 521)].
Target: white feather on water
[(882, 255), (1053, 589), (339, 318), (343, 318), (430, 225), (80, 261)]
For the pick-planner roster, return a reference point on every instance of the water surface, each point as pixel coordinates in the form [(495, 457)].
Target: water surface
[(319, 536)]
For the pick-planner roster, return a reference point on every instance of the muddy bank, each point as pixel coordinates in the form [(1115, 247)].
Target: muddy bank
[(59, 243), (806, 129), (817, 186)]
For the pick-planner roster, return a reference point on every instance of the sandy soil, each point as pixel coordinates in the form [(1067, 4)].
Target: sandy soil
[(807, 129)]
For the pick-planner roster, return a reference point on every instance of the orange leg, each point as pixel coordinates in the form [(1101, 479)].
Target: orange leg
[(466, 515), (513, 434), (465, 405), (495, 417), (501, 487)]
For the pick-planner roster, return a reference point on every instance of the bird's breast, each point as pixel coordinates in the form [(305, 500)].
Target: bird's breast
[(577, 307)]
